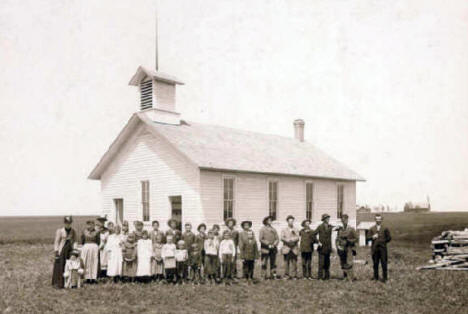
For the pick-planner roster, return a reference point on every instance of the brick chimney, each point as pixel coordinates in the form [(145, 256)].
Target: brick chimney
[(299, 130)]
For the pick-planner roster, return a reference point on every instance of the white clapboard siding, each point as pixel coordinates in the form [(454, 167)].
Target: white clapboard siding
[(165, 96), (146, 157), (251, 198)]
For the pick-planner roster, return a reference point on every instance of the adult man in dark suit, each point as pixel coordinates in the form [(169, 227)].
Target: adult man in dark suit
[(345, 241), (380, 236), (324, 231)]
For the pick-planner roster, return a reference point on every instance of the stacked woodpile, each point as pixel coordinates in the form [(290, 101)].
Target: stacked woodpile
[(449, 251)]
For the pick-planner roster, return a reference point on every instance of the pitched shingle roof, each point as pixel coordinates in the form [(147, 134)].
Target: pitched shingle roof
[(222, 148)]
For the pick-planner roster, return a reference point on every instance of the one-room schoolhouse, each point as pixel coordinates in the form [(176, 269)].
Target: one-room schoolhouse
[(161, 167)]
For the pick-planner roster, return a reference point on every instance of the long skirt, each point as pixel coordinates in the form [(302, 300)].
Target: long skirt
[(103, 259), (90, 257), (157, 267), (59, 265), (129, 268), (144, 266), (114, 265)]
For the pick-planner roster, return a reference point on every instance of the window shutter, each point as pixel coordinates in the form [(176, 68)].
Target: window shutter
[(146, 96)]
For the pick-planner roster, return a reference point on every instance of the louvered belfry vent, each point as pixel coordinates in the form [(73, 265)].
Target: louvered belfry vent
[(146, 95)]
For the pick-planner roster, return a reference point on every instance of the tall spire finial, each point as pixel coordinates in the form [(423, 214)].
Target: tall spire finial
[(156, 39)]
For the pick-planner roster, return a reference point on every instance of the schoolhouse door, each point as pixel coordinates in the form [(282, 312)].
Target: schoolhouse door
[(176, 209), (118, 204)]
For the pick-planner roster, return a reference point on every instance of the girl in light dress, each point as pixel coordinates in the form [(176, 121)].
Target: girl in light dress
[(157, 266), (114, 252), (144, 253), (73, 270)]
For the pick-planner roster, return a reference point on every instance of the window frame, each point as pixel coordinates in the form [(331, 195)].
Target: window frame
[(145, 200), (270, 201), (307, 201), (233, 196), (340, 210)]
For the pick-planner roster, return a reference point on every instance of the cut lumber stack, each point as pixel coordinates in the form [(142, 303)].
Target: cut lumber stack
[(449, 251)]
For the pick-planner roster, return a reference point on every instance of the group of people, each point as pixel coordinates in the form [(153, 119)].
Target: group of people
[(108, 250)]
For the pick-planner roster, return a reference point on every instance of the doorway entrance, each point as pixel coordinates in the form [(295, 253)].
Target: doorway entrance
[(176, 210)]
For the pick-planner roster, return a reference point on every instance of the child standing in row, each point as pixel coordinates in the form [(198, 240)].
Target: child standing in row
[(157, 268), (195, 263), (249, 254), (181, 256), (211, 256), (114, 251), (144, 253), (129, 253), (227, 253), (168, 255)]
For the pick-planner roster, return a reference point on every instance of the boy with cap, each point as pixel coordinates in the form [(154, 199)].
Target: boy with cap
[(380, 236), (324, 232), (248, 255), (244, 235), (345, 241), (269, 241), (306, 248), (290, 249)]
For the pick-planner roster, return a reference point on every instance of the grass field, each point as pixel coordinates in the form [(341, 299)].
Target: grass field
[(26, 263)]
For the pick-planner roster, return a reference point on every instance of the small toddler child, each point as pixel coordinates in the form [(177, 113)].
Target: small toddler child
[(73, 270)]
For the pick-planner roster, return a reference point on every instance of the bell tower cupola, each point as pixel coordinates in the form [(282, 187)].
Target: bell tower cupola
[(157, 95)]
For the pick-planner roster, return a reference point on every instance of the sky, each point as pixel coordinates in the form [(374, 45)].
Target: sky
[(381, 86)]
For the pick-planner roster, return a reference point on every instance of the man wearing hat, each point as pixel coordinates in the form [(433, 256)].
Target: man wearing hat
[(268, 248), (234, 234), (173, 231), (324, 232), (345, 241), (380, 236), (290, 249)]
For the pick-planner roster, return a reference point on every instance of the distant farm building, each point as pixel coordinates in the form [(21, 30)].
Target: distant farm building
[(161, 167), (420, 207)]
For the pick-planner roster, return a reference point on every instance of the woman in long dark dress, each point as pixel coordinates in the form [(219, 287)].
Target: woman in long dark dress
[(65, 239)]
